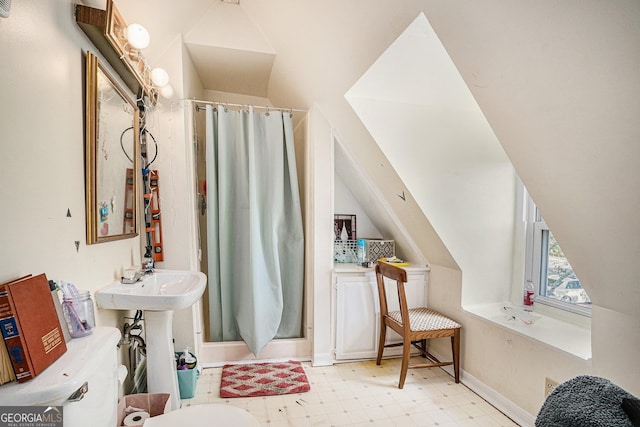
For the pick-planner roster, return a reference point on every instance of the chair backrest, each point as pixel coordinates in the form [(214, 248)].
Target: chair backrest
[(399, 275)]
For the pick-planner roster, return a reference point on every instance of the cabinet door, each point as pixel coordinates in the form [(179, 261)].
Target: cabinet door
[(358, 313), (357, 317)]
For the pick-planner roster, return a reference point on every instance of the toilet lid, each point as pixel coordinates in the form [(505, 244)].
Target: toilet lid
[(202, 416)]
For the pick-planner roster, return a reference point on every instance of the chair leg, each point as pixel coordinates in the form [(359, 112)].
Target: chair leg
[(383, 337), (406, 351), (455, 350)]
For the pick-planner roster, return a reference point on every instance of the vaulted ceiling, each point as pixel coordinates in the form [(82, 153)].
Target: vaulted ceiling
[(227, 49), (556, 81)]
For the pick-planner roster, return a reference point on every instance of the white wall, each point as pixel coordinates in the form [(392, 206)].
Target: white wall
[(420, 112), (319, 238), (167, 122), (345, 203), (42, 154), (559, 90), (558, 84)]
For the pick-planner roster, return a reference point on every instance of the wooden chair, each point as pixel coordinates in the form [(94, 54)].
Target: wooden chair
[(414, 325)]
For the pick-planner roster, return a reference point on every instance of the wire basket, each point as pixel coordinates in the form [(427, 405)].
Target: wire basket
[(345, 251)]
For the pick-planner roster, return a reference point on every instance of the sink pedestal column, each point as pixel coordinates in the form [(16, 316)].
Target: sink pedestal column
[(161, 366)]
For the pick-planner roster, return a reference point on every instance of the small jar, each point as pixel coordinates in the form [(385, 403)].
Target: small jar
[(361, 254), (79, 314)]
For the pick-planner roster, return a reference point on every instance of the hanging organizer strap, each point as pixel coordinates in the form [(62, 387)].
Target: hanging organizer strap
[(156, 223), (128, 219)]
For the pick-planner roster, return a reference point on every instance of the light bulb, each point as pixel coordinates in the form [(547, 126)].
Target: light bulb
[(159, 77), (138, 36), (166, 91)]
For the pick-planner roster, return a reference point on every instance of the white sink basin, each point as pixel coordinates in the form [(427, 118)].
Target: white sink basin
[(160, 290), (158, 294)]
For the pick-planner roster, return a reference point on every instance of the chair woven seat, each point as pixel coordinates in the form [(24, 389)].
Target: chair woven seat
[(425, 319), (423, 324)]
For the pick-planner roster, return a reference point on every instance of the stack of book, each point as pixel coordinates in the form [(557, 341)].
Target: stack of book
[(31, 331)]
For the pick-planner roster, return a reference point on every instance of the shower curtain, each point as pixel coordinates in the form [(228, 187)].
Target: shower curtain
[(254, 221)]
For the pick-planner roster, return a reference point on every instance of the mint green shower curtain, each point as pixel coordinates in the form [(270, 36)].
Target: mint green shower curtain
[(255, 237)]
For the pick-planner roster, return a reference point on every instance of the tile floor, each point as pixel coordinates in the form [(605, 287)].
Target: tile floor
[(363, 394)]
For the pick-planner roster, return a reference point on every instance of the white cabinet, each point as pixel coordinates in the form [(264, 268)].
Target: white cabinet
[(357, 325), (357, 309)]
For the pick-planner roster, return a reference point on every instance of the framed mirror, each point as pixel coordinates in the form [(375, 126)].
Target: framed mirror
[(111, 156)]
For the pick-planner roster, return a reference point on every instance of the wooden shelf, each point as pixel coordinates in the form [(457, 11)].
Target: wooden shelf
[(105, 29)]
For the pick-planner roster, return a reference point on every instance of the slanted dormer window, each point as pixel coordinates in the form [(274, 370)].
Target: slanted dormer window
[(547, 267)]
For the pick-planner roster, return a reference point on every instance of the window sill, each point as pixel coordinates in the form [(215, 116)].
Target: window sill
[(559, 334)]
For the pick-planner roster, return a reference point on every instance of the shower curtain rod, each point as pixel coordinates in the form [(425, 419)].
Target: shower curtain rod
[(265, 107)]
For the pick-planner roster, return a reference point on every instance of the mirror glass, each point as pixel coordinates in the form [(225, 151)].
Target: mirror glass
[(111, 157)]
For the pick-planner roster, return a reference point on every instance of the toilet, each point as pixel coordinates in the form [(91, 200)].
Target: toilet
[(204, 416), (85, 382)]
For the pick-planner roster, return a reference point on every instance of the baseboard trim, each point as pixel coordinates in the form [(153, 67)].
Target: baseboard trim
[(323, 359), (504, 405)]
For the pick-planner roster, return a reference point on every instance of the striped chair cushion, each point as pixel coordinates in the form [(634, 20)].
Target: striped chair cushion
[(424, 319)]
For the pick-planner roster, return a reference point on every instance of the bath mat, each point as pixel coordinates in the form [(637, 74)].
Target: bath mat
[(263, 379)]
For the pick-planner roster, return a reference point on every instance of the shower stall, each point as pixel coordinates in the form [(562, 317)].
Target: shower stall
[(223, 318)]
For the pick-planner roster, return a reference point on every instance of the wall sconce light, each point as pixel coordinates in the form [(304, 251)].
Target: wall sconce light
[(121, 44), (160, 81), (159, 77), (137, 36)]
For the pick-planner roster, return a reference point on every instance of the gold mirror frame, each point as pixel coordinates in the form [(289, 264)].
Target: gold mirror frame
[(111, 157)]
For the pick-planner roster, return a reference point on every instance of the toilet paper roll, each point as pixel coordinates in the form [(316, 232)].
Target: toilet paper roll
[(135, 418)]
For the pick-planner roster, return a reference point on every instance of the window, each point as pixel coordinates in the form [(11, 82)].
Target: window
[(548, 269)]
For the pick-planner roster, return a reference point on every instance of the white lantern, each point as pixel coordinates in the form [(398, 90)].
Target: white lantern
[(159, 77), (138, 36)]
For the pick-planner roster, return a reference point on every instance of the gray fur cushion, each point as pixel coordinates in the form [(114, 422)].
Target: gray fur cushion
[(584, 401), (632, 409)]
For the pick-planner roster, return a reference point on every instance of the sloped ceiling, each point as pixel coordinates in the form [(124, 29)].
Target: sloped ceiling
[(232, 70), (227, 50), (556, 81), (424, 118), (414, 109), (348, 170)]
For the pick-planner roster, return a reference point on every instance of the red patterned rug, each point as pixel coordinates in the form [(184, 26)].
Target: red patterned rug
[(263, 379)]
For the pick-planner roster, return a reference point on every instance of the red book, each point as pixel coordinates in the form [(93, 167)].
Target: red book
[(30, 326)]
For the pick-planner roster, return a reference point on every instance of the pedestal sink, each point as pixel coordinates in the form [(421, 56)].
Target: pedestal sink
[(158, 294)]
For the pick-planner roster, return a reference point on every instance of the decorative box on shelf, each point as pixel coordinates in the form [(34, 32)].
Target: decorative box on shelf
[(377, 248), (345, 251)]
